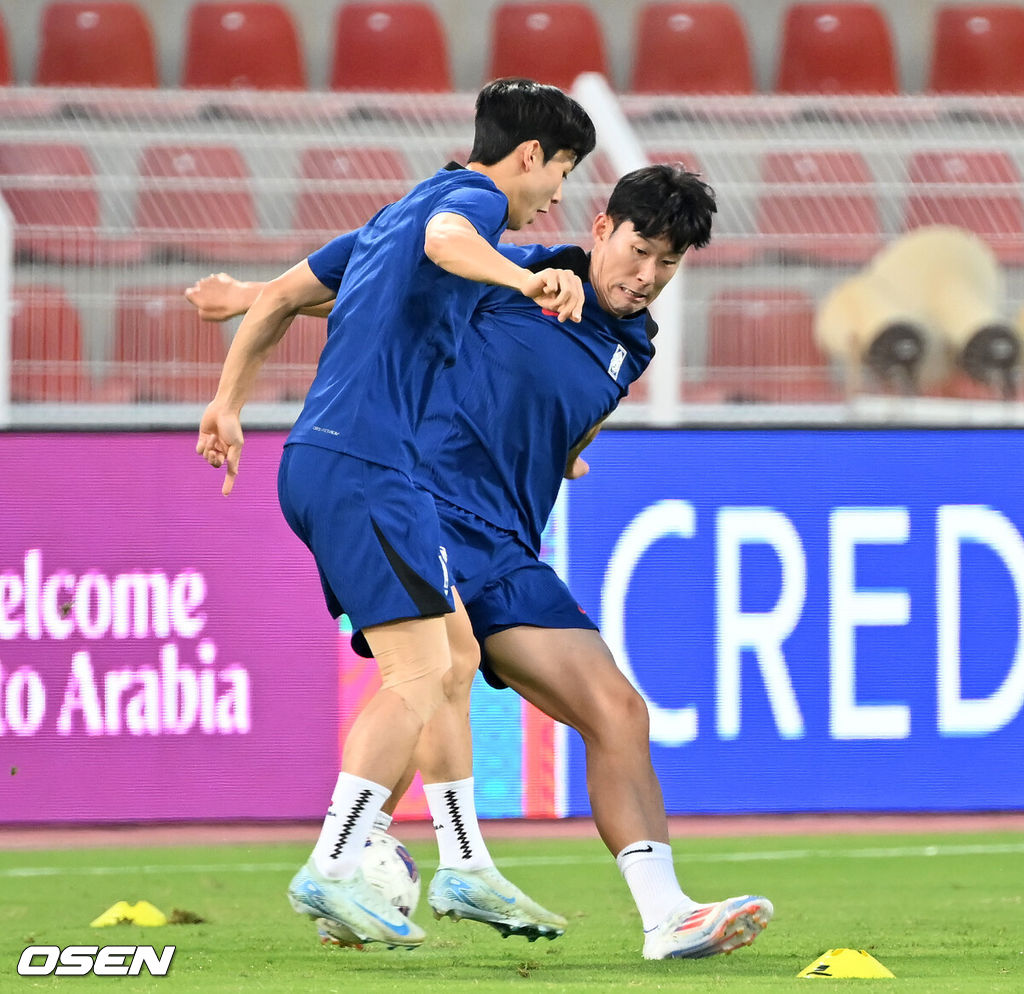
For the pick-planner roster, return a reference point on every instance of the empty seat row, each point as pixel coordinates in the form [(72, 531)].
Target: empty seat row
[(679, 47), (824, 206), (192, 201), (161, 352), (198, 202), (394, 46), (760, 349), (836, 48)]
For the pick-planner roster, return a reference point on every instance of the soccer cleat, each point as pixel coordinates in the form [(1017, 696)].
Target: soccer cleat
[(486, 896), (335, 934), (708, 929), (354, 906)]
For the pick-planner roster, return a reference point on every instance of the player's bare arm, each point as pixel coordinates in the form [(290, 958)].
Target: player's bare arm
[(575, 465), (454, 244), (220, 297), (220, 432)]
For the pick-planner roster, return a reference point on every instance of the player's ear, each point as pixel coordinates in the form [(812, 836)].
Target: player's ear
[(531, 154), (602, 227)]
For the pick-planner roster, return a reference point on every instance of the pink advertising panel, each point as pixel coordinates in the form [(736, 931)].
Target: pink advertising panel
[(165, 652)]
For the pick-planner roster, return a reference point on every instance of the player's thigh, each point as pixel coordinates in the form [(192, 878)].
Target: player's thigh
[(410, 650), (569, 674)]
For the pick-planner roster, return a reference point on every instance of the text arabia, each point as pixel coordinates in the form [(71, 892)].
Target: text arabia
[(176, 696)]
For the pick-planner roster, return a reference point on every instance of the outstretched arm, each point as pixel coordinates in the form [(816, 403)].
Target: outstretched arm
[(220, 431), (455, 245), (220, 297)]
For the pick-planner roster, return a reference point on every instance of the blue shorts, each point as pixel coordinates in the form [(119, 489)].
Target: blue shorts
[(502, 583), (374, 534)]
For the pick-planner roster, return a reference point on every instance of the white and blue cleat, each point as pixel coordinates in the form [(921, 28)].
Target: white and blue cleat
[(352, 911), (486, 896)]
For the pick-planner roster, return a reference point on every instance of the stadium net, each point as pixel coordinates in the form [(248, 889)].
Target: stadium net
[(121, 199)]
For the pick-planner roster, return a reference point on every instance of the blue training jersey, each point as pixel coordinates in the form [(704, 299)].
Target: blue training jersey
[(397, 321), (525, 390)]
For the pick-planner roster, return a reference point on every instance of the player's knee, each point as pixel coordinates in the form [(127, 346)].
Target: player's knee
[(465, 654), (620, 713), (420, 682), (465, 663), (635, 714), (423, 695)]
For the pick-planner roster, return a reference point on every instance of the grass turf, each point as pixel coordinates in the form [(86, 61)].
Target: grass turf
[(944, 913)]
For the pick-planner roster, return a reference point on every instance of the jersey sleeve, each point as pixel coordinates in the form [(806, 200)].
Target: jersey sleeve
[(328, 263), (485, 209)]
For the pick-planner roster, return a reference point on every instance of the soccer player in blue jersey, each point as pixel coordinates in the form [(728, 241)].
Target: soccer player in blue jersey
[(412, 277), (495, 467)]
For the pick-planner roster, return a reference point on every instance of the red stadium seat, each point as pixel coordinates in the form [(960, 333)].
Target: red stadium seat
[(691, 48), (977, 48), (343, 187), (163, 353), (836, 48), (818, 206), (390, 46), (195, 202), (978, 190), (46, 347), (96, 44), (6, 74), (548, 42), (761, 349), (52, 193), (251, 46), (290, 369)]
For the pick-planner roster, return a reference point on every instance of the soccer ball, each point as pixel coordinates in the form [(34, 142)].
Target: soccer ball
[(388, 866)]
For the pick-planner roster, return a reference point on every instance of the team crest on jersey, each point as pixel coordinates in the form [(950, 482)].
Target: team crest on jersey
[(616, 364)]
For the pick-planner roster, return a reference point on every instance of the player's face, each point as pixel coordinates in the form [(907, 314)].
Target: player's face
[(541, 187), (627, 270)]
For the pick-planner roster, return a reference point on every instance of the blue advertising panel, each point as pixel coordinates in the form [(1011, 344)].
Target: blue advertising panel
[(819, 620)]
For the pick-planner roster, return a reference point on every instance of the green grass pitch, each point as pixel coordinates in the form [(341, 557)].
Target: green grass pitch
[(944, 912)]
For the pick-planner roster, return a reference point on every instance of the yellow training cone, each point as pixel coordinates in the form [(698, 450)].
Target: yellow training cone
[(144, 913), (114, 915), (843, 963), (140, 913)]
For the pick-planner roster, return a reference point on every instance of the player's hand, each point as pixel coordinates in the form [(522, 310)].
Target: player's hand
[(220, 442), (557, 290), (579, 467), (217, 297)]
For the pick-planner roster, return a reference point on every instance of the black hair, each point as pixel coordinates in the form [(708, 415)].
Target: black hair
[(512, 111), (665, 201)]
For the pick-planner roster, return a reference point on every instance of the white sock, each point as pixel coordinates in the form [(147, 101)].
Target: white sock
[(453, 810), (382, 822), (354, 805), (651, 877)]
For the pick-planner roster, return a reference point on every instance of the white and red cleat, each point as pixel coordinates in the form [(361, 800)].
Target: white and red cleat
[(708, 929)]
